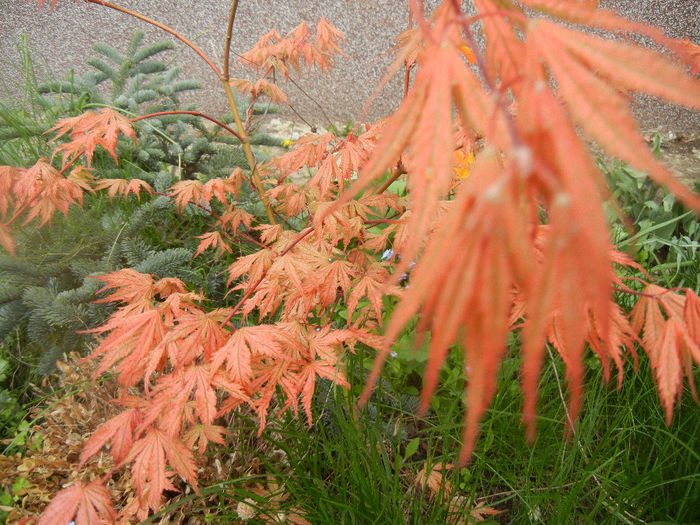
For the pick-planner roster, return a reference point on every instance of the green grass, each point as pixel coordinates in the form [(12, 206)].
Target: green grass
[(622, 466)]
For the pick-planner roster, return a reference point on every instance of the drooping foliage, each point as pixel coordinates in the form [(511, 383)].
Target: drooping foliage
[(501, 227)]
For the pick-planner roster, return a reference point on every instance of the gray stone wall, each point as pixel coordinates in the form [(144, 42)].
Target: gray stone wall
[(62, 39)]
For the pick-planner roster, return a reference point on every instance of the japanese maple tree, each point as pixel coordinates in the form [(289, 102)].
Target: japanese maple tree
[(502, 224)]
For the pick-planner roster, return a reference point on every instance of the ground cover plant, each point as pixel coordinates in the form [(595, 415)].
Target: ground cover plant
[(473, 216)]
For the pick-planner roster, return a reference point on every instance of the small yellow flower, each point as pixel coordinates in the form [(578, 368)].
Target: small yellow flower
[(287, 143), (462, 163)]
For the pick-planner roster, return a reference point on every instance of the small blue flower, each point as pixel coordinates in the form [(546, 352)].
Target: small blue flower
[(393, 353), (388, 254)]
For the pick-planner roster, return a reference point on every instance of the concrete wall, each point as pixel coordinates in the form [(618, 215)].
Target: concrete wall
[(62, 39)]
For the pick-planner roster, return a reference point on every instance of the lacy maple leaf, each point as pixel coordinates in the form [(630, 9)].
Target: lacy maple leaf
[(92, 129), (85, 504), (151, 455)]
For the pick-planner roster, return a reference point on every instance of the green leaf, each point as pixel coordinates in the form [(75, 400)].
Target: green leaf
[(411, 448)]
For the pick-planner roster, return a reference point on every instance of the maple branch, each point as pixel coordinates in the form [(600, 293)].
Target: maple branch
[(296, 241), (312, 99), (245, 142), (407, 74), (250, 239), (229, 32), (68, 164), (242, 135), (649, 295), (19, 211), (382, 221), (238, 305), (217, 217), (395, 174), (300, 117), (196, 114), (165, 28), (483, 70)]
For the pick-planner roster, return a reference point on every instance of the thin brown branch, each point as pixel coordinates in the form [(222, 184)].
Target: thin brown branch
[(196, 114), (407, 74), (395, 174), (245, 142), (229, 32)]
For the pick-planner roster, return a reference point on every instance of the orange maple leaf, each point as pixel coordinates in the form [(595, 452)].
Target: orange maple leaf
[(123, 187), (435, 481), (186, 191), (85, 504), (151, 455), (671, 338), (298, 47), (202, 434), (42, 190), (118, 431), (245, 343), (689, 53), (92, 129), (212, 240), (261, 87), (588, 70), (371, 284)]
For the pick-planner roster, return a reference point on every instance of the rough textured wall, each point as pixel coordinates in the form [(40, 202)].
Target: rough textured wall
[(62, 39)]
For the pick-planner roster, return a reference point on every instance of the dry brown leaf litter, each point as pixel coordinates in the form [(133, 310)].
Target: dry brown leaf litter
[(70, 416)]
